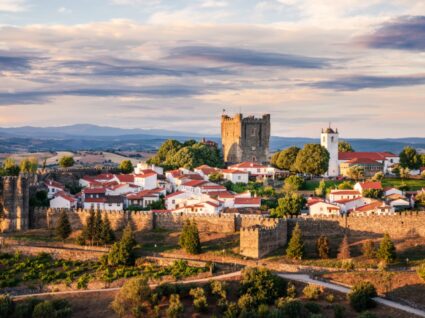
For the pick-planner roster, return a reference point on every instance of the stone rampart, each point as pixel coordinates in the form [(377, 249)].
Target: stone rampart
[(395, 224)]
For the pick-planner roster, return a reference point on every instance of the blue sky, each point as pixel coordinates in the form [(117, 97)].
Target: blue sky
[(177, 64)]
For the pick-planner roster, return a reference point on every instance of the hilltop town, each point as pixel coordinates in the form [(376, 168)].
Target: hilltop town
[(320, 220)]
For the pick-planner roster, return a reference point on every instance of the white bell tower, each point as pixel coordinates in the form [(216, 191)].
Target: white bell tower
[(329, 140)]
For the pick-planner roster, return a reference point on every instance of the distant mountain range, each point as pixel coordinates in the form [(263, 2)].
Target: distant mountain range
[(93, 137)]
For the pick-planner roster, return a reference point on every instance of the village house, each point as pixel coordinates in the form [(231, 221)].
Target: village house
[(376, 207), (144, 198), (386, 159), (63, 200), (206, 171), (235, 176), (324, 208), (368, 185), (53, 187), (337, 195), (141, 166), (369, 166), (255, 169)]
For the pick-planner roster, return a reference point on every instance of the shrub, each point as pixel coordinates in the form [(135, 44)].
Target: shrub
[(291, 291), (247, 302), (386, 251), (219, 288), (347, 265), (313, 307), (263, 311), (262, 284), (312, 292), (63, 228), (330, 298), (83, 281), (189, 239), (232, 311), (361, 295), (134, 296), (339, 311), (295, 248), (292, 308), (199, 300), (6, 306), (44, 309), (175, 307), (367, 314), (421, 271), (122, 252), (25, 308), (322, 247), (368, 249)]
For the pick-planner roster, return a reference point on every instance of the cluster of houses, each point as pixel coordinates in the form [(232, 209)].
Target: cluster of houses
[(182, 190), (353, 201)]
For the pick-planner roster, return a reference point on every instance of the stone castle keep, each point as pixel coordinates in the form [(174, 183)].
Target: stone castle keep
[(14, 203), (245, 139)]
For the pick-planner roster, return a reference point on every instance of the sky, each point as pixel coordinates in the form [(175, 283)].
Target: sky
[(359, 65)]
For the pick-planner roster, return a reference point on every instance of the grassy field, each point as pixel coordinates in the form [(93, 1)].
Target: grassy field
[(413, 184)]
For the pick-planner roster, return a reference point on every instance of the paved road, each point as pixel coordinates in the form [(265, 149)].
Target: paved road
[(307, 279)]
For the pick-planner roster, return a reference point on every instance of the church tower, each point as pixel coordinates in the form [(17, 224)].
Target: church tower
[(329, 140)]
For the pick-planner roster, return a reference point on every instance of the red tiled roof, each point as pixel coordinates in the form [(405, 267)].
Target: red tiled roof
[(221, 194), (344, 192), (370, 206), (371, 185), (127, 178), (175, 173), (104, 176), (94, 190), (363, 161), (194, 183), (66, 196), (174, 194), (328, 205), (213, 186), (369, 155), (233, 171), (146, 173), (247, 164), (142, 194), (256, 201), (206, 169), (346, 200)]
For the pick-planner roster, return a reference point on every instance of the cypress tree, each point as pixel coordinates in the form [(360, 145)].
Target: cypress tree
[(121, 252), (88, 230), (97, 227), (386, 251), (322, 246), (63, 228), (344, 249), (295, 248), (107, 234)]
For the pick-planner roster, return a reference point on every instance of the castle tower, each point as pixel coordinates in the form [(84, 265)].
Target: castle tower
[(245, 139), (329, 140)]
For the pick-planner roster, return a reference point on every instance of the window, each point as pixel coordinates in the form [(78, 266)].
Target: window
[(332, 139), (239, 177), (253, 132)]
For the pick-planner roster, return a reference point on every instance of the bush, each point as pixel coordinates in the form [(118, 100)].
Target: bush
[(367, 314), (421, 271), (368, 249), (6, 306), (263, 311), (262, 285), (386, 251), (232, 311), (312, 292), (189, 239), (247, 302), (25, 308), (134, 296), (361, 295), (313, 307), (322, 247), (175, 307), (339, 311), (292, 308), (219, 288), (44, 309), (291, 291), (83, 281), (330, 298), (199, 300)]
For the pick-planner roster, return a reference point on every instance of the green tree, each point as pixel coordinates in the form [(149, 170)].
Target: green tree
[(189, 239), (290, 204), (66, 161), (361, 296), (262, 285), (356, 173), (372, 193), (379, 176), (44, 309), (63, 228), (167, 150), (386, 251), (421, 271), (216, 177), (420, 199), (404, 173), (409, 158), (286, 158), (122, 252), (293, 183), (10, 168), (368, 249), (344, 146), (313, 159), (322, 247), (97, 227), (199, 299), (344, 249), (107, 234), (321, 189), (126, 166), (88, 232), (295, 247), (273, 159), (29, 165), (133, 299), (346, 185)]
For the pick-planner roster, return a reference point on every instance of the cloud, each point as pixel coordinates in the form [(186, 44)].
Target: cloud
[(403, 33), (42, 96), (358, 82), (9, 62), (247, 57), (64, 10), (13, 5)]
